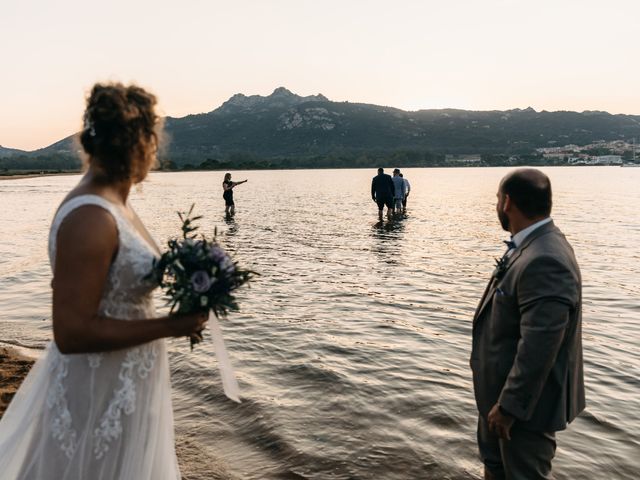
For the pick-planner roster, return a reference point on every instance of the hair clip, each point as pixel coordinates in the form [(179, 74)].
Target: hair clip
[(88, 125)]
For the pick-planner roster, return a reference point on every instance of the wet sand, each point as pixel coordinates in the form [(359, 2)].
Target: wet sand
[(195, 463), (13, 368)]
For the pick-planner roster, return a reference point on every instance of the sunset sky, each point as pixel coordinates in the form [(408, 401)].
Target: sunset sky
[(411, 54)]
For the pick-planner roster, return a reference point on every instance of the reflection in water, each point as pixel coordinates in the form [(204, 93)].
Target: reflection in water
[(391, 225), (387, 236), (232, 226), (352, 346)]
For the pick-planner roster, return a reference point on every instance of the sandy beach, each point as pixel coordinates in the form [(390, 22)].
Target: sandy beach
[(195, 463), (13, 368)]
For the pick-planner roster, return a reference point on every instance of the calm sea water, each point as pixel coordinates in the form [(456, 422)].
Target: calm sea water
[(352, 346)]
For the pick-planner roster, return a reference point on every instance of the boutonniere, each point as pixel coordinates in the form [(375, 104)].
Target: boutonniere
[(501, 267)]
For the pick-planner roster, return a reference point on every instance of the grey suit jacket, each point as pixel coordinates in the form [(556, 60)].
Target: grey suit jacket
[(527, 335)]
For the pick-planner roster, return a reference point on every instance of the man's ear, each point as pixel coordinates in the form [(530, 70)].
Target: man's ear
[(506, 205)]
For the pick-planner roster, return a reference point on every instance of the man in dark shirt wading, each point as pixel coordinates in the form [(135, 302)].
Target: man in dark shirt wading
[(382, 192)]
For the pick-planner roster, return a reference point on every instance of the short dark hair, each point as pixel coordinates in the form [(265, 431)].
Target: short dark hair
[(380, 170), (530, 190)]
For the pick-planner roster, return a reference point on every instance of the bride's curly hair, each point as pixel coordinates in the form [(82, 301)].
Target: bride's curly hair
[(121, 131)]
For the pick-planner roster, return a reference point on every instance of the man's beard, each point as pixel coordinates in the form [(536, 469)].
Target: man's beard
[(504, 220)]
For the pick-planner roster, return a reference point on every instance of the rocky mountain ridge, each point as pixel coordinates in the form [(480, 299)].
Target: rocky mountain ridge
[(286, 125)]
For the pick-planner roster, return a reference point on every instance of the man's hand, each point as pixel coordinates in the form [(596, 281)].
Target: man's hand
[(500, 423)]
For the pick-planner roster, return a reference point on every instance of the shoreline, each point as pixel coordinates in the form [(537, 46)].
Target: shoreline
[(195, 462), (19, 176)]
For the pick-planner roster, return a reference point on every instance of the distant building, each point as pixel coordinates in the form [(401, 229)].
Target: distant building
[(579, 155), (463, 159), (608, 160)]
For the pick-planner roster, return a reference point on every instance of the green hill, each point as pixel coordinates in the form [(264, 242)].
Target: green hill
[(287, 130)]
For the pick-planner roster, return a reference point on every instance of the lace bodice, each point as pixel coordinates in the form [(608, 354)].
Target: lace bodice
[(127, 294)]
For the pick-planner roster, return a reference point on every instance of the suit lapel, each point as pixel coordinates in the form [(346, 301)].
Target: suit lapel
[(491, 287), (486, 299), (488, 293)]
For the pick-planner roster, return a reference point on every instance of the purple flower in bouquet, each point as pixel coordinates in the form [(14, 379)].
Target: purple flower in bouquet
[(197, 274), (201, 281), (219, 256)]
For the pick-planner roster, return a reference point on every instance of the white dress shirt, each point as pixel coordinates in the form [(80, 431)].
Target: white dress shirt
[(520, 237)]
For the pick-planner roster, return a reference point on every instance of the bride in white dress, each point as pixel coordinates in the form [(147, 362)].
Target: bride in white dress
[(97, 404)]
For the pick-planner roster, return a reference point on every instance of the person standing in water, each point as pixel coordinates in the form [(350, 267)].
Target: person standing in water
[(398, 191), (382, 192), (407, 190), (526, 354), (227, 186)]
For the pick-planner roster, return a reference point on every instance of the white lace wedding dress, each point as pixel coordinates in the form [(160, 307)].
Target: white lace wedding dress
[(100, 416)]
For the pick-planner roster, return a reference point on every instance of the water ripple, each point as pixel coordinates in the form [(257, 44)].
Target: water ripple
[(352, 346)]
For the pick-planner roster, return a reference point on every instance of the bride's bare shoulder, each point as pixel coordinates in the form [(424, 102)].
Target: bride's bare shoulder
[(83, 189), (89, 218), (88, 223), (89, 231)]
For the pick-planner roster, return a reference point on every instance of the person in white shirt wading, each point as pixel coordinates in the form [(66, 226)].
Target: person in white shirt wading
[(407, 189), (398, 193)]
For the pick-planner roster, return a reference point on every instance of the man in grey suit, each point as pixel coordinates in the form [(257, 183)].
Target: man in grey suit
[(527, 347)]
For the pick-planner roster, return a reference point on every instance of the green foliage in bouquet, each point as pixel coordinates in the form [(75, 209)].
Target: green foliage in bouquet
[(196, 273)]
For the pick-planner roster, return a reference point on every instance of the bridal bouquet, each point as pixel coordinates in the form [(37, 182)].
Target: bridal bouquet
[(196, 274)]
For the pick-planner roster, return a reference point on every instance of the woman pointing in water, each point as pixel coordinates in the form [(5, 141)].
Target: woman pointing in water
[(227, 186)]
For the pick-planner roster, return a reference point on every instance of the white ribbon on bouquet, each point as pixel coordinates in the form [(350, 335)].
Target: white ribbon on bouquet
[(229, 382)]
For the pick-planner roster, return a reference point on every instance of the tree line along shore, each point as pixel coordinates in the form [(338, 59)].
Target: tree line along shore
[(17, 167)]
